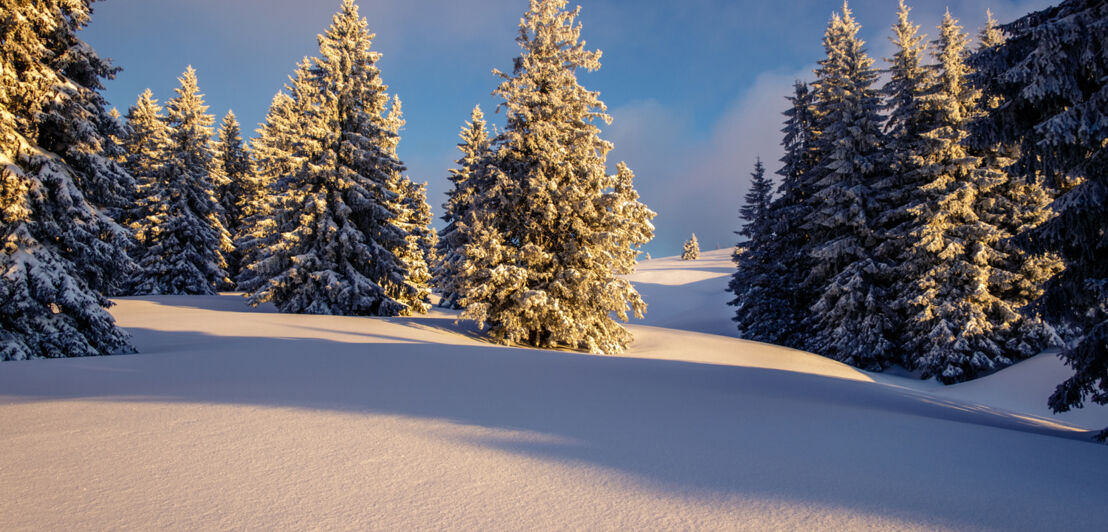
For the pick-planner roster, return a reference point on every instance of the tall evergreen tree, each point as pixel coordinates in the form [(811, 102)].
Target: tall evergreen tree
[(146, 152), (236, 187), (237, 169), (453, 237), (545, 266), (758, 231), (901, 188), (767, 280), (56, 168), (335, 234), (755, 212), (1052, 76), (185, 238), (275, 151), (413, 216), (846, 321), (960, 325)]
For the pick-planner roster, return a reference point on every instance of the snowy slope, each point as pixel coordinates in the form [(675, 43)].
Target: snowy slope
[(243, 418)]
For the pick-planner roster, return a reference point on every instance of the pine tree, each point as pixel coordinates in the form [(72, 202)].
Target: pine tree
[(185, 238), (56, 166), (756, 210), (233, 162), (453, 238), (146, 152), (960, 326), (691, 250), (767, 281), (413, 216), (548, 248), (275, 156), (335, 235), (750, 255), (846, 322), (1052, 76)]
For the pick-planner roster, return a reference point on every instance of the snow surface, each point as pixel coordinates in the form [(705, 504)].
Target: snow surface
[(234, 417)]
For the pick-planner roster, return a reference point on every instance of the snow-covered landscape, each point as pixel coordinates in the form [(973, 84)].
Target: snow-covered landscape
[(299, 322), (233, 417)]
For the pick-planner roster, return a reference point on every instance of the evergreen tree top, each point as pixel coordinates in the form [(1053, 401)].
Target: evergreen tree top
[(188, 109), (345, 54), (990, 36), (552, 51)]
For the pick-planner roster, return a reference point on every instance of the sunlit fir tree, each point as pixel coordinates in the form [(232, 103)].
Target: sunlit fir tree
[(185, 241), (333, 231), (846, 321), (464, 180), (58, 181), (549, 250)]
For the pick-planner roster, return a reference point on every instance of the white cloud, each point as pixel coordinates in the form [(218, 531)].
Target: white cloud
[(697, 184)]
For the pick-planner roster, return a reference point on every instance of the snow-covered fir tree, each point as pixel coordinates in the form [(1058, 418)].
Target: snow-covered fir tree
[(900, 189), (275, 152), (755, 212), (453, 237), (413, 216), (237, 170), (145, 149), (548, 248), (758, 231), (767, 281), (1052, 76), (846, 322), (334, 232), (185, 241), (959, 324), (56, 167), (691, 249)]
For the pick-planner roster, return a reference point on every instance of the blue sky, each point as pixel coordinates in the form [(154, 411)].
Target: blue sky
[(696, 87)]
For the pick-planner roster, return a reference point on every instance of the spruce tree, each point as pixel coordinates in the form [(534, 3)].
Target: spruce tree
[(755, 212), (1052, 77), (544, 264), (413, 216), (960, 325), (335, 233), (691, 249), (184, 236), (236, 167), (757, 228), (56, 168), (275, 156), (146, 152), (767, 281), (453, 237), (237, 185), (846, 322)]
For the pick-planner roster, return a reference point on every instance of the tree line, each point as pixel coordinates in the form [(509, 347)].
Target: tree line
[(950, 221), (317, 216)]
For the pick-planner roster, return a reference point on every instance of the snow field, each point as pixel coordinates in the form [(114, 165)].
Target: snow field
[(234, 417)]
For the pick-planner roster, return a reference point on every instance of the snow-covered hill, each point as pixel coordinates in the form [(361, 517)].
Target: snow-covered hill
[(232, 417)]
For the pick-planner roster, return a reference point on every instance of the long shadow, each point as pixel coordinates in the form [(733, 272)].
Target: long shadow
[(776, 434)]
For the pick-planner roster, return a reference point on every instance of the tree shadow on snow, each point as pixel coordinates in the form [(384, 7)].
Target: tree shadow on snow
[(776, 434)]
